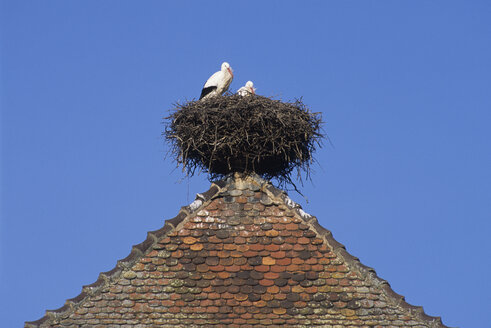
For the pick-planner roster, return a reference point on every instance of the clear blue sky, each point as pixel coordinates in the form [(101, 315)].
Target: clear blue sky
[(404, 88)]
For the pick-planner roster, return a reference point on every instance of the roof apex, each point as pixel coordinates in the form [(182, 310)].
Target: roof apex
[(228, 187)]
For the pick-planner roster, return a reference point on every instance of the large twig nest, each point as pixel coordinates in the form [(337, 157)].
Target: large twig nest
[(226, 134)]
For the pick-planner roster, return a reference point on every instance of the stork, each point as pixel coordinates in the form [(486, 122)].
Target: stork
[(218, 83), (247, 90)]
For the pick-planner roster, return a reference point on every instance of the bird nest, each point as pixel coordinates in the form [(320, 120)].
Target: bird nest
[(253, 134)]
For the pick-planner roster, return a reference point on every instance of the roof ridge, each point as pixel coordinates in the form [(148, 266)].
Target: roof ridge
[(137, 251), (366, 271)]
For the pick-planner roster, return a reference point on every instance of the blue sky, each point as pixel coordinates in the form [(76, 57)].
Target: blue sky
[(403, 86)]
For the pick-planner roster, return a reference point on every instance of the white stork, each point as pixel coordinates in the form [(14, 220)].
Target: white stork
[(218, 83), (247, 90)]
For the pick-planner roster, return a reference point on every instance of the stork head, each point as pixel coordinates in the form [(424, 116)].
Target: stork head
[(250, 86), (226, 67)]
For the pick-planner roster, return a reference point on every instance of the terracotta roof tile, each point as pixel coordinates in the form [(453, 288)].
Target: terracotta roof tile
[(243, 254)]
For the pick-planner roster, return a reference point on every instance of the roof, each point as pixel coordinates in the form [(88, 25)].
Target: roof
[(243, 254)]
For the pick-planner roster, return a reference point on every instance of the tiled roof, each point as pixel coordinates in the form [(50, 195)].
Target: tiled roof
[(242, 254)]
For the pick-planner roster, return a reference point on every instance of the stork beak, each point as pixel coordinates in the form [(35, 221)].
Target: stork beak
[(252, 91), (230, 71)]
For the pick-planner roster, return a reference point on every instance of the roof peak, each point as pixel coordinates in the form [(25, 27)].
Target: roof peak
[(263, 220)]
